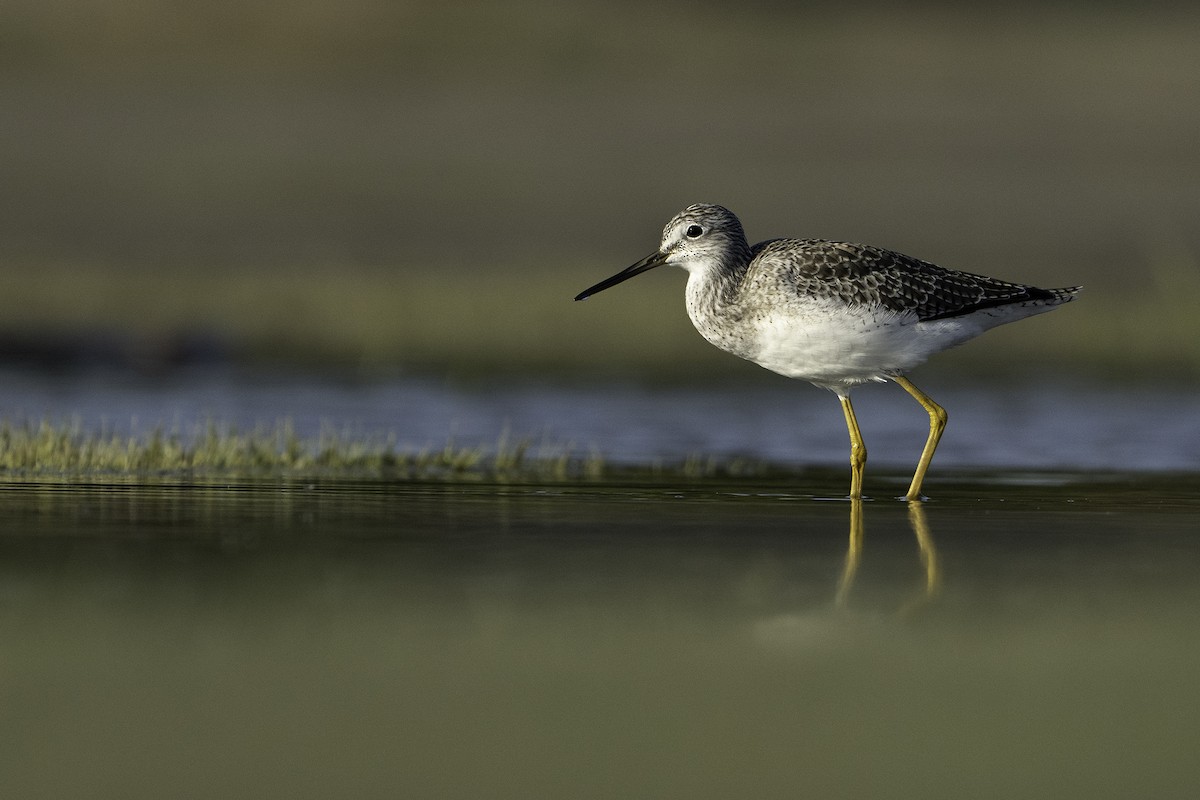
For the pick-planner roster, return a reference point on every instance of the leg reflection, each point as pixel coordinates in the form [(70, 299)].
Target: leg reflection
[(853, 555), (928, 553), (929, 558)]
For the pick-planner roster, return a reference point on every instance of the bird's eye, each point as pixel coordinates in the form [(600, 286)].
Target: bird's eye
[(694, 231)]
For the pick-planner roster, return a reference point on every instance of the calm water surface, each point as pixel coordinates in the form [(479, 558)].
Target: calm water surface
[(1040, 424), (1026, 634)]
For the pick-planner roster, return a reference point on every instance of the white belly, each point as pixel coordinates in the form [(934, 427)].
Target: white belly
[(835, 347)]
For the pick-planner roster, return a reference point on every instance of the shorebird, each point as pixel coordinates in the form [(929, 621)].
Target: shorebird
[(834, 314)]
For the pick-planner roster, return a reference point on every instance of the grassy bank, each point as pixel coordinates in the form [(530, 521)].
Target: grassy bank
[(66, 450)]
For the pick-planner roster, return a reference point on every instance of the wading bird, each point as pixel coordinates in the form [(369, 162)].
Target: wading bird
[(832, 313)]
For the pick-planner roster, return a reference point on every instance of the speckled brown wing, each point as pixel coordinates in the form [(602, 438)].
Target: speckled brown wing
[(868, 276)]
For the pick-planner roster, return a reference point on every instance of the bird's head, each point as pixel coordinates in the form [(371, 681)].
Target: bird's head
[(699, 237)]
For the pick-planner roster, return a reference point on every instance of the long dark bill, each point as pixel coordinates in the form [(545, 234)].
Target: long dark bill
[(649, 262)]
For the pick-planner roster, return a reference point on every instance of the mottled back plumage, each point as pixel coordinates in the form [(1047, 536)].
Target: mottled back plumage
[(866, 276)]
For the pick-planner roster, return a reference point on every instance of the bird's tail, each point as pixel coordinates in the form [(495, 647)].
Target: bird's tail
[(1064, 295)]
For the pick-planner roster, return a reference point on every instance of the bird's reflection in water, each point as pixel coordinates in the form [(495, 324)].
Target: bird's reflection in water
[(928, 554), (826, 627)]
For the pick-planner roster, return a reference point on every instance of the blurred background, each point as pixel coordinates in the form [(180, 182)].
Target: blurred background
[(373, 215), (421, 187)]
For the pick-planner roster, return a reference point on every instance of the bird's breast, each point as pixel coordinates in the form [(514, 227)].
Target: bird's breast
[(819, 340)]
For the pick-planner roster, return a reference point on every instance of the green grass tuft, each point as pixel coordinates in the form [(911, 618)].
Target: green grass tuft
[(67, 449), (46, 447)]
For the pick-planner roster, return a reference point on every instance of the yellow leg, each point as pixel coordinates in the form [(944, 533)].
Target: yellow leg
[(858, 450), (937, 424)]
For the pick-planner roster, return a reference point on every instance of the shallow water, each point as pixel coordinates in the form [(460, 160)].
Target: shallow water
[(1025, 634), (1036, 424)]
